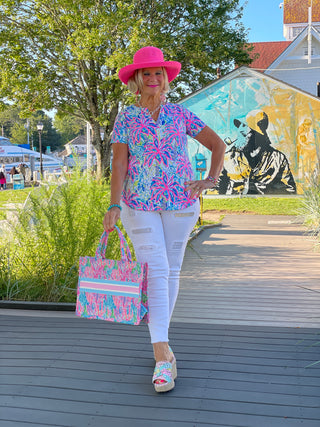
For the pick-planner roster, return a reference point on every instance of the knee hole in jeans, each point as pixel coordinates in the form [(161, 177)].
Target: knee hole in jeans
[(177, 245), (146, 247), (141, 230), (183, 214)]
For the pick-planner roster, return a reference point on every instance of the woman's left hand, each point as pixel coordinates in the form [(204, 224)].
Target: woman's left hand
[(197, 187)]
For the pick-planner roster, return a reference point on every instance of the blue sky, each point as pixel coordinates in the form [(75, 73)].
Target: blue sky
[(265, 19)]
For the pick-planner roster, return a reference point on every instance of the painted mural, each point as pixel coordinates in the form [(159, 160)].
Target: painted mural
[(270, 129)]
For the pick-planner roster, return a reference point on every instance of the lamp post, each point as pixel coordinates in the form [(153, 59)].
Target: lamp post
[(40, 129), (27, 127), (88, 147)]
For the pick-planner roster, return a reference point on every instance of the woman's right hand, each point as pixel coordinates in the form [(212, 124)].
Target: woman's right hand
[(110, 218)]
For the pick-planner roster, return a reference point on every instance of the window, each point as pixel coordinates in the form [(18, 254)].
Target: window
[(306, 52), (296, 31)]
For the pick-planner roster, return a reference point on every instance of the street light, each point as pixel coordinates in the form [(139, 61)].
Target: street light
[(27, 127), (40, 129)]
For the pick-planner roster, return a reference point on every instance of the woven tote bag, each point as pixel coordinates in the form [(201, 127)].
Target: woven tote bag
[(112, 290)]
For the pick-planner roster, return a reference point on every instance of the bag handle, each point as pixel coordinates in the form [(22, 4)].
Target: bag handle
[(102, 246)]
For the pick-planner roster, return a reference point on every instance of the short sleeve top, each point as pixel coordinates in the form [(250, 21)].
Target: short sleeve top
[(158, 164)]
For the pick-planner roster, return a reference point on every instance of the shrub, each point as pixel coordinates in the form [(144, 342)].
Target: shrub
[(59, 223), (310, 210)]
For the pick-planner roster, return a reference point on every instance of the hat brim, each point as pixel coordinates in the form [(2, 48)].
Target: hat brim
[(172, 67)]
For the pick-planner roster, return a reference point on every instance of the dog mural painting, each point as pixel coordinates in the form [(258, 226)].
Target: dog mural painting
[(252, 165), (271, 130)]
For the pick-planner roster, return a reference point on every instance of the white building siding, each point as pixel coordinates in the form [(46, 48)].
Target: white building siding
[(299, 73), (291, 31)]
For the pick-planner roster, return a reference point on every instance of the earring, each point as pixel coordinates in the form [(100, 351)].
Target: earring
[(163, 98)]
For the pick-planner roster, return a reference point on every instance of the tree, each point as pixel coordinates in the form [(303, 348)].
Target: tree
[(64, 54), (9, 115), (68, 127), (18, 134), (49, 137), (14, 127)]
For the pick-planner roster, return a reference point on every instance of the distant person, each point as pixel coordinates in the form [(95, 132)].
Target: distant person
[(22, 170), (13, 171), (3, 180)]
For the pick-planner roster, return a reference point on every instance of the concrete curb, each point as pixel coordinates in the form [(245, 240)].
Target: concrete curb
[(35, 305), (199, 230)]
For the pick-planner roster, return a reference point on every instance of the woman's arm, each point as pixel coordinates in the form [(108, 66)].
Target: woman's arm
[(214, 143), (119, 173)]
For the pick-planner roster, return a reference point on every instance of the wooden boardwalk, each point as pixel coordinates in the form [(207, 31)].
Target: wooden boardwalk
[(254, 270), (239, 364)]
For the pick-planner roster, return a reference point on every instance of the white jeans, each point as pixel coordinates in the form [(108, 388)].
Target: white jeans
[(160, 238)]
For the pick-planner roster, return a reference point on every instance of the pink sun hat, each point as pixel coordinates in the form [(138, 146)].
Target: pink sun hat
[(148, 57)]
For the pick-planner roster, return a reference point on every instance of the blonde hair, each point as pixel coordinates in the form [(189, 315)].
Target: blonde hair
[(135, 83)]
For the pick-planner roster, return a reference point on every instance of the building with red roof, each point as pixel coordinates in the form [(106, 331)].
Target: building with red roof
[(265, 53), (294, 61)]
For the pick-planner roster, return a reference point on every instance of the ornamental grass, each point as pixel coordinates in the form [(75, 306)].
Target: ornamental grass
[(310, 210), (59, 223)]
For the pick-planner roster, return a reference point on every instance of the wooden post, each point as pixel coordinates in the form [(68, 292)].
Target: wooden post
[(201, 204)]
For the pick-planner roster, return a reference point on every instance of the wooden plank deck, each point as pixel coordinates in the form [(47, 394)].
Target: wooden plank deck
[(254, 270), (75, 372), (245, 366)]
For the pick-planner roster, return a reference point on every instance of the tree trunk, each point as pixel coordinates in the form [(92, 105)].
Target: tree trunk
[(103, 151)]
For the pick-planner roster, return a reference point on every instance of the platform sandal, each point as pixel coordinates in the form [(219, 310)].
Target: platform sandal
[(163, 372), (174, 364)]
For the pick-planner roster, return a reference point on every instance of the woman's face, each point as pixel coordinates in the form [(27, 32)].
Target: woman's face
[(153, 81)]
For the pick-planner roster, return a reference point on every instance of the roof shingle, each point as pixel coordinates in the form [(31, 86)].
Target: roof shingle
[(296, 11), (267, 53)]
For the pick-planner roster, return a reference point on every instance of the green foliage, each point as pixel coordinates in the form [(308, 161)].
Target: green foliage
[(256, 205), (68, 127), (18, 134), (10, 197), (9, 115), (14, 123), (14, 196), (66, 55), (58, 224), (310, 210)]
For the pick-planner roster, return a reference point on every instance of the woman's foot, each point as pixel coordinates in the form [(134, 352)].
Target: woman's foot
[(174, 365), (166, 367), (163, 377)]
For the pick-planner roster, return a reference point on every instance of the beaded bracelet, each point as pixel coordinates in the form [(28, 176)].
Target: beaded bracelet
[(115, 205), (213, 180)]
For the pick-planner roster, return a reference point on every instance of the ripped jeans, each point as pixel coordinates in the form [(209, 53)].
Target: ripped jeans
[(160, 238)]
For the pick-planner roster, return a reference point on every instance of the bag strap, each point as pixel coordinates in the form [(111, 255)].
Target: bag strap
[(102, 246)]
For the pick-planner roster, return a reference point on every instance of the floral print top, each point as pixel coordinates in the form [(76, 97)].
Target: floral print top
[(158, 156)]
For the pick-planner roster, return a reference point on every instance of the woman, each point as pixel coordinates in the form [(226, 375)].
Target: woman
[(3, 180), (152, 189)]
